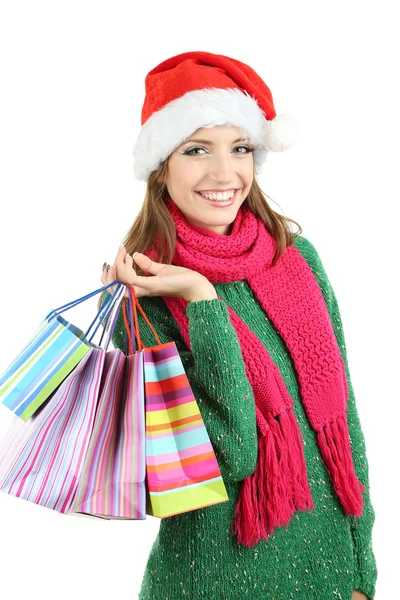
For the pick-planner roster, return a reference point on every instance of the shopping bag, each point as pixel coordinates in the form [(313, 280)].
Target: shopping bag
[(112, 483), (52, 352), (182, 472), (41, 459)]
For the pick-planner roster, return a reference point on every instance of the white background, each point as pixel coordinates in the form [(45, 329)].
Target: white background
[(72, 77)]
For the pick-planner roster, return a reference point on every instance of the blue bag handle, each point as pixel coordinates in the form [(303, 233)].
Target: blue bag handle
[(111, 318), (69, 305), (103, 312)]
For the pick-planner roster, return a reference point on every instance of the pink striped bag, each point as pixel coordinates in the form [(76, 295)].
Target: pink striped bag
[(112, 483), (41, 459)]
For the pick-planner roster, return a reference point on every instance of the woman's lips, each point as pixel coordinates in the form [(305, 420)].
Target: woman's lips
[(219, 203)]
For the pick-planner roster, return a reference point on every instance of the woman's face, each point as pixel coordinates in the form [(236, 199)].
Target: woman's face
[(212, 160)]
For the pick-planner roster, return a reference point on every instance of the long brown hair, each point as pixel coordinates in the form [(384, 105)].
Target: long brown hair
[(154, 221)]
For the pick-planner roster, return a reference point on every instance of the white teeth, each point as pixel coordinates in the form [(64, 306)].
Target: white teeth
[(218, 196)]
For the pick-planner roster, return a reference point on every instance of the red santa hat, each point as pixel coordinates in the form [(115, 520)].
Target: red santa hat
[(200, 89)]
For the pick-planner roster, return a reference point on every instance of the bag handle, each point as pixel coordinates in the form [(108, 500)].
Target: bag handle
[(101, 314), (126, 323), (108, 318), (112, 317), (73, 303), (135, 305), (133, 319), (130, 333), (107, 300), (104, 311), (130, 306), (108, 310)]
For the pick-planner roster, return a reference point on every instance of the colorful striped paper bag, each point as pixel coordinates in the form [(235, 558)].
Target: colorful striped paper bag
[(182, 472), (52, 352), (112, 484), (182, 469), (41, 459)]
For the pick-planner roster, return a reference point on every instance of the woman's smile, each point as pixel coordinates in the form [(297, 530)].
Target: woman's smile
[(219, 200)]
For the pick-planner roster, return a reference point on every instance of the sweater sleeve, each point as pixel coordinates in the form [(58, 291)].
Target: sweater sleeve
[(365, 575), (216, 373)]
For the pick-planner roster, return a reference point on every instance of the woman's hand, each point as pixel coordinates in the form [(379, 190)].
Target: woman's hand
[(358, 596), (166, 280)]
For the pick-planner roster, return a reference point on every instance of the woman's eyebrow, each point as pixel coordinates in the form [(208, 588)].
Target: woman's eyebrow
[(210, 143)]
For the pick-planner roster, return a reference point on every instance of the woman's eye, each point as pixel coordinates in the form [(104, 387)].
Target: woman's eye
[(246, 148), (190, 151)]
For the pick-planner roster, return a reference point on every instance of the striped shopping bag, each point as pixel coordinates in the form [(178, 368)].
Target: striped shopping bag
[(182, 472), (52, 352), (112, 483), (41, 459)]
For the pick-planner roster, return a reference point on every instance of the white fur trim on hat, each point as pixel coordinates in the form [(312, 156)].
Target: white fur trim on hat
[(168, 127), (282, 133)]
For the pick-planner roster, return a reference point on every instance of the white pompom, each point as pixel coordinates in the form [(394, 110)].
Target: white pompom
[(281, 132)]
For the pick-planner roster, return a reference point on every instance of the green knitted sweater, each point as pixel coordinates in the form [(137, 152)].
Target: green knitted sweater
[(321, 554)]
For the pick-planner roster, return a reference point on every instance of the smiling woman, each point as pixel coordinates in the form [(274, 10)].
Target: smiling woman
[(259, 332)]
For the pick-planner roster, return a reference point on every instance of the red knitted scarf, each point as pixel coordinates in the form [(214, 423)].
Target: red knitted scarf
[(292, 299)]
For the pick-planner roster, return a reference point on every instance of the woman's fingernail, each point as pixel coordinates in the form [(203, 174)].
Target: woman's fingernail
[(133, 255), (108, 268), (104, 266)]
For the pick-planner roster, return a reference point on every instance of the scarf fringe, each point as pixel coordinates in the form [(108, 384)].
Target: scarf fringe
[(278, 487), (333, 440)]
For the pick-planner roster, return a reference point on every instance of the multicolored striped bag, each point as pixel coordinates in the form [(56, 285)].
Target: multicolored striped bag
[(41, 459), (182, 472), (52, 352), (112, 483)]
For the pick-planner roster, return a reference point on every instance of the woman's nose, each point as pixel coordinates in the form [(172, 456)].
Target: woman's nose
[(221, 169)]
